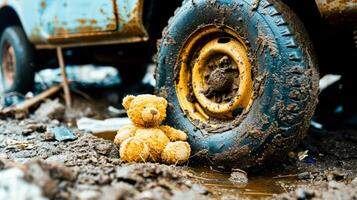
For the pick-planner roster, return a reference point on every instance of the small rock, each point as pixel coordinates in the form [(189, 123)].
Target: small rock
[(189, 195), (155, 193), (304, 194), (55, 122), (88, 195), (41, 128), (354, 181), (50, 109), (104, 148), (305, 175), (48, 136), (336, 175), (118, 191), (239, 177), (199, 189), (27, 132), (335, 185)]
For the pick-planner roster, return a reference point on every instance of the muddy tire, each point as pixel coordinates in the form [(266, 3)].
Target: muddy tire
[(283, 72), (16, 60)]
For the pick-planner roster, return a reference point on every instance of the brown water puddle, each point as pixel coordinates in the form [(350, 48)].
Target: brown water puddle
[(259, 186)]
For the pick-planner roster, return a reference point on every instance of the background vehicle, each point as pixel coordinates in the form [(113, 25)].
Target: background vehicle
[(241, 76)]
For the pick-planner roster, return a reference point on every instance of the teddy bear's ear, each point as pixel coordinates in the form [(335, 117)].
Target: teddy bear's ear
[(163, 101), (127, 101)]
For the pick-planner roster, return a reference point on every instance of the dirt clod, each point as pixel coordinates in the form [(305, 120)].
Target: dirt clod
[(50, 109)]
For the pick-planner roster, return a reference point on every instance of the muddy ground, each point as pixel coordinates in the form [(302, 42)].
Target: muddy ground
[(37, 166)]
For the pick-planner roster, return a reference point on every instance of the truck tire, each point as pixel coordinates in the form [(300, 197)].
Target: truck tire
[(240, 78), (17, 61)]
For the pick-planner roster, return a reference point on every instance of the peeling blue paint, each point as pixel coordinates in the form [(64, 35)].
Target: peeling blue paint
[(46, 19)]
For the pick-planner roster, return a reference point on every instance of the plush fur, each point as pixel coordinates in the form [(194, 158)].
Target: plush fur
[(146, 140)]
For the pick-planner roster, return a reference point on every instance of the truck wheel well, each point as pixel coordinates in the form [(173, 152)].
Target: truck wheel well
[(11, 17), (156, 16), (325, 36)]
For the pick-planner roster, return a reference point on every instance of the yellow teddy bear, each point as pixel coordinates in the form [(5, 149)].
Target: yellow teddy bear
[(146, 140)]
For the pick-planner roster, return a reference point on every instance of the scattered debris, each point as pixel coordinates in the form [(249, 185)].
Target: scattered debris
[(11, 99), (102, 126), (116, 112), (332, 190), (27, 132), (303, 154), (328, 80), (50, 109), (49, 180), (39, 127), (48, 136), (336, 175), (21, 110), (300, 176), (10, 144), (84, 76), (63, 133)]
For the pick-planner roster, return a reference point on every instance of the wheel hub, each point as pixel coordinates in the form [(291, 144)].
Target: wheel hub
[(215, 76), (219, 77), (8, 64)]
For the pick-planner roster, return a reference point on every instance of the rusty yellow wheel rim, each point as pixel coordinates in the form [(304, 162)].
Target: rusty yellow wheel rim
[(8, 64), (214, 79)]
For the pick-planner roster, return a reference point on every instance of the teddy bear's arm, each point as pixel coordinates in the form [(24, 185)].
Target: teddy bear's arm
[(174, 134), (124, 133)]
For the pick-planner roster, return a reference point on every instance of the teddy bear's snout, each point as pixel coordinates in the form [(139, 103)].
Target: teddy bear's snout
[(150, 114), (154, 112)]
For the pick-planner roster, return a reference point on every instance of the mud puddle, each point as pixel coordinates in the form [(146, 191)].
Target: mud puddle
[(218, 183), (106, 135)]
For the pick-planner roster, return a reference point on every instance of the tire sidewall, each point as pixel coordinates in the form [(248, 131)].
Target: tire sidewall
[(24, 69), (283, 74)]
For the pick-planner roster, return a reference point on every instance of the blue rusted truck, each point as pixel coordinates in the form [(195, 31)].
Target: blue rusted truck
[(240, 76)]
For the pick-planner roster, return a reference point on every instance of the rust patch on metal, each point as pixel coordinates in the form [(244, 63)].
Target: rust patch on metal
[(82, 21), (43, 5), (111, 26), (135, 25), (35, 35), (93, 21), (87, 29), (61, 30), (91, 34)]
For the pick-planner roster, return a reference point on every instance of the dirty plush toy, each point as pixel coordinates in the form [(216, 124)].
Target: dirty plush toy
[(146, 140)]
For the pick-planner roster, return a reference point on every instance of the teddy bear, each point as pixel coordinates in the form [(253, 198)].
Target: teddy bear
[(146, 140)]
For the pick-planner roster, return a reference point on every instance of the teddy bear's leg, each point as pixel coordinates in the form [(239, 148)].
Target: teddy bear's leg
[(174, 134), (134, 150), (124, 133), (155, 139), (176, 153)]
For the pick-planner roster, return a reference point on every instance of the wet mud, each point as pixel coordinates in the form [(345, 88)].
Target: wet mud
[(86, 167)]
